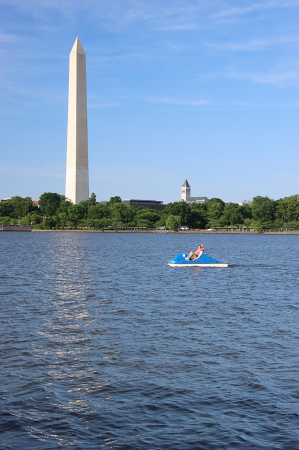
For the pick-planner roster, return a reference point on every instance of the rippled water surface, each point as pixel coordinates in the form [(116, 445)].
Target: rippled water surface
[(104, 346)]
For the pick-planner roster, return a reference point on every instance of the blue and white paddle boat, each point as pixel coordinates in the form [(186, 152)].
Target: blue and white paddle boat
[(204, 261)]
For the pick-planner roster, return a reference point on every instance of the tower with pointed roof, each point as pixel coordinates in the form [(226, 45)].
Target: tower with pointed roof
[(77, 179), (185, 191)]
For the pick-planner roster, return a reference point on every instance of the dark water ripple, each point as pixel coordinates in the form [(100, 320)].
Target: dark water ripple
[(104, 346)]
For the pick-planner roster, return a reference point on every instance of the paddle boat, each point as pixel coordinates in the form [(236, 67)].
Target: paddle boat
[(204, 261)]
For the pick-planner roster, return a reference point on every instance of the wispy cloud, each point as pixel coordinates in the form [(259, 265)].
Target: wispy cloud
[(125, 174), (158, 14), (251, 105), (40, 172), (177, 26), (161, 15), (277, 79), (103, 105), (7, 38), (258, 6), (178, 102), (113, 56), (38, 5), (252, 45)]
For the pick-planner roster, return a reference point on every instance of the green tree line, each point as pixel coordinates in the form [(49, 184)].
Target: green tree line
[(55, 211)]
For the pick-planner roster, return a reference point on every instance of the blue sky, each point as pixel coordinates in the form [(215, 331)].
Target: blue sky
[(205, 90)]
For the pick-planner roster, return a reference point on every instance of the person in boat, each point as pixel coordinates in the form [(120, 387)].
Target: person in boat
[(197, 254)]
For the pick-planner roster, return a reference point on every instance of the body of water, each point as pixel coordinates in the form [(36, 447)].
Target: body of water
[(104, 346)]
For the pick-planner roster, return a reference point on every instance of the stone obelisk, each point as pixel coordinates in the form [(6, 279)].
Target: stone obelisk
[(77, 181)]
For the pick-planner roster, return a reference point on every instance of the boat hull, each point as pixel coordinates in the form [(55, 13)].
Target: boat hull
[(204, 261), (220, 264)]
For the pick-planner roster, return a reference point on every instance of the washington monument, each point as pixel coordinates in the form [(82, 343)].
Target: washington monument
[(77, 181)]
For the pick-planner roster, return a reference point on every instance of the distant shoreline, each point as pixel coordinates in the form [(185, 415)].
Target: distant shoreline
[(168, 231)]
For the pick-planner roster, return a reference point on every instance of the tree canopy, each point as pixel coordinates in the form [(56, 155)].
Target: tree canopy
[(49, 203), (55, 211)]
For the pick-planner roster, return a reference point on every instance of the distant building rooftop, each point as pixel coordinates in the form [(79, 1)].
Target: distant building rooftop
[(149, 202), (185, 184), (197, 200), (153, 204)]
